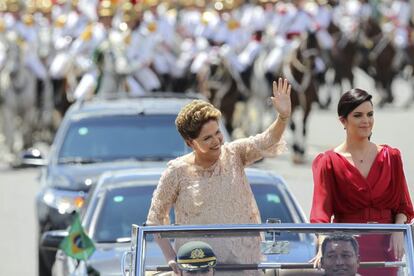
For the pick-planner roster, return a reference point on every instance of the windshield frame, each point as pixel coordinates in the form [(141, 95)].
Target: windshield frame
[(140, 233)]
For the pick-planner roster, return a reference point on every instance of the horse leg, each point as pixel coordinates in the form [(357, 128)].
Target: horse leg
[(9, 127), (61, 103), (28, 110), (228, 105), (386, 93)]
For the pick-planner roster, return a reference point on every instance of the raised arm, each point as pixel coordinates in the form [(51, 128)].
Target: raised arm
[(282, 105), (269, 143)]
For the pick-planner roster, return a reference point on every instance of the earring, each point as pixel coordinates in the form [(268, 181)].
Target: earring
[(344, 127)]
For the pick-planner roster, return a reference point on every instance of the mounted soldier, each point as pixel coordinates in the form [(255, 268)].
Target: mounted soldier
[(292, 21), (17, 80), (138, 51), (159, 25), (398, 16), (91, 50)]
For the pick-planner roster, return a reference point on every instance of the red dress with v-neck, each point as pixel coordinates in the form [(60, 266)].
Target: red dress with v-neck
[(343, 195)]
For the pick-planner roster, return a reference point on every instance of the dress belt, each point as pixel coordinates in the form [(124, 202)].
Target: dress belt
[(366, 215)]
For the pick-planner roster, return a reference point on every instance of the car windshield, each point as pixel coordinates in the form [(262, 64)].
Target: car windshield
[(121, 208), (109, 138), (129, 205)]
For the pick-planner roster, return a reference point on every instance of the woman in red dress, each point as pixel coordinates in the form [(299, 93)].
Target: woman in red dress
[(362, 182)]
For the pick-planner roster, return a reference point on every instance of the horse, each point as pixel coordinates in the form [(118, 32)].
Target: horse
[(299, 69), (409, 67), (342, 60), (18, 90), (377, 55), (218, 81)]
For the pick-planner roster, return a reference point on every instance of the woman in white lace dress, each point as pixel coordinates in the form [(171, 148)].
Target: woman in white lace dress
[(209, 185)]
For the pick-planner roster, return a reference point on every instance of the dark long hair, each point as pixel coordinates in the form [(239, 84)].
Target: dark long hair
[(351, 100)]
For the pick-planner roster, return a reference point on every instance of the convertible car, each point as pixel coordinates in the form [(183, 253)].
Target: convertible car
[(122, 198), (276, 243)]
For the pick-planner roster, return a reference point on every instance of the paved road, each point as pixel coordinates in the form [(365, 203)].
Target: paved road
[(394, 126), (18, 226)]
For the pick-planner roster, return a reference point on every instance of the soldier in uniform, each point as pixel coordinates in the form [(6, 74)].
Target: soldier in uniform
[(196, 258), (12, 14), (92, 52), (138, 53), (292, 21), (399, 16), (159, 25), (189, 19), (323, 18)]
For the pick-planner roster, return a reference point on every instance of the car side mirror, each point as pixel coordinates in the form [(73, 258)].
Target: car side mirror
[(51, 240), (32, 157)]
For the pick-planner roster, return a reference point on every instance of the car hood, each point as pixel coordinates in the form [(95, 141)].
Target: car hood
[(107, 257), (82, 177)]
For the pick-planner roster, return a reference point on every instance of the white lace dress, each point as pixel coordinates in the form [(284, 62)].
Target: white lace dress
[(219, 194)]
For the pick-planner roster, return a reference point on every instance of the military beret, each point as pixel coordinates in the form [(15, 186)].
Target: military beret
[(195, 255)]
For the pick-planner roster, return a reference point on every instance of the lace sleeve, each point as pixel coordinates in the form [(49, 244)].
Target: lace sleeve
[(256, 147), (164, 198)]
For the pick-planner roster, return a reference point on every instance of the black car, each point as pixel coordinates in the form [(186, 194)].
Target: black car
[(100, 135)]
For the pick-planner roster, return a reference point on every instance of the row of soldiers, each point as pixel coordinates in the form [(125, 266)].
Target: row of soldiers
[(141, 46)]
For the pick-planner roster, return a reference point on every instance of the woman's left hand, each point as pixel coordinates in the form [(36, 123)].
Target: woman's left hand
[(397, 244), (281, 97)]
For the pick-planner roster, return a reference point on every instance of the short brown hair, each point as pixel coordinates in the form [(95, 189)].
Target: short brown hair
[(193, 116), (351, 100)]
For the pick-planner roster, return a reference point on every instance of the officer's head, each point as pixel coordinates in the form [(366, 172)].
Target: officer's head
[(106, 12), (196, 258), (340, 255)]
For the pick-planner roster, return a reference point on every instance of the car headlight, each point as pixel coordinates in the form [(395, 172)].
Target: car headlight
[(64, 201)]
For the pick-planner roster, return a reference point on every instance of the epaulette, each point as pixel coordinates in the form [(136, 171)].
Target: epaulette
[(152, 26), (28, 20), (233, 24), (60, 21), (87, 33), (128, 38)]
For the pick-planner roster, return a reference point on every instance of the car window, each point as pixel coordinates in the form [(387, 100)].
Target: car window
[(108, 138), (271, 203), (121, 208)]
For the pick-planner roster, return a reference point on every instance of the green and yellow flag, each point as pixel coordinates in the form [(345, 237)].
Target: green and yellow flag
[(77, 244)]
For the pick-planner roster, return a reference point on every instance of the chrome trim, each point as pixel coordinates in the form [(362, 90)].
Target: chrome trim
[(125, 272), (164, 230)]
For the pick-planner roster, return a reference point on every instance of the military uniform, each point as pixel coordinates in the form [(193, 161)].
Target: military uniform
[(291, 22), (158, 25), (399, 16), (91, 51), (323, 18)]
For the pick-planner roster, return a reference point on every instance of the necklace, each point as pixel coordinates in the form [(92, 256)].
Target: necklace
[(361, 160)]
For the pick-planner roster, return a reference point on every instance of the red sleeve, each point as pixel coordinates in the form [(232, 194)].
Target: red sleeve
[(405, 205), (321, 211)]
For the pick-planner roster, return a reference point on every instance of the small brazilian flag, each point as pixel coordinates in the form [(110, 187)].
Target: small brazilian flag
[(77, 244)]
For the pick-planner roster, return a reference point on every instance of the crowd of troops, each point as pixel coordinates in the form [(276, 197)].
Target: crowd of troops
[(53, 53)]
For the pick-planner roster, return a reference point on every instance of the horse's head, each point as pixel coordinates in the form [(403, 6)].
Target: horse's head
[(13, 56), (370, 28), (308, 50), (333, 29)]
